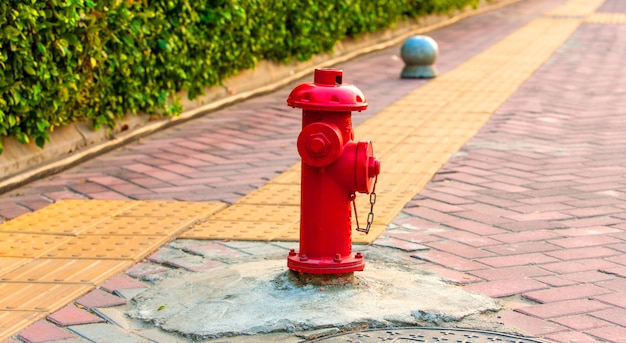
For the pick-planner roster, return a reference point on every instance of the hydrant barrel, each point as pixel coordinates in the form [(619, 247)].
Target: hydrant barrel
[(334, 168)]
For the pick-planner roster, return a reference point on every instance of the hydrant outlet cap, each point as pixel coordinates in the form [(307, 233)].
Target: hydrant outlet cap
[(327, 93)]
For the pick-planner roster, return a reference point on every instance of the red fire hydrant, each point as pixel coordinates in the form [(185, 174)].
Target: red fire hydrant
[(334, 168)]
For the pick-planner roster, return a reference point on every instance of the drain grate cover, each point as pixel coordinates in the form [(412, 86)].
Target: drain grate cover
[(425, 335)]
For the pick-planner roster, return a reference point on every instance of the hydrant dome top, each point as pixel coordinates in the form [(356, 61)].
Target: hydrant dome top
[(327, 93)]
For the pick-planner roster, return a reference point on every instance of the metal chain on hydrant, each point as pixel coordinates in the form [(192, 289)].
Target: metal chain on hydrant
[(370, 216)]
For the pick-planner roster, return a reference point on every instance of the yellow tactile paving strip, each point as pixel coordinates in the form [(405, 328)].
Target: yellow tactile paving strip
[(607, 18), (53, 256), (416, 135)]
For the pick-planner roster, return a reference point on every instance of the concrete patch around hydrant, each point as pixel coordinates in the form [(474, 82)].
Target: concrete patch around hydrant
[(264, 296)]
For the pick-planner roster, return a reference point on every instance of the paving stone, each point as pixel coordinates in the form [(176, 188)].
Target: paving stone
[(620, 258), (522, 248), (142, 269), (581, 322), (527, 236), (617, 299), (42, 331), (99, 298), (413, 237), (590, 276), (609, 333), (459, 249), (584, 241), (286, 245), (528, 225), (157, 335), (613, 315), (450, 261), (115, 315), (399, 244), (556, 281), (570, 336), (72, 315), (482, 217), (105, 333), (565, 293), (617, 284), (528, 324), (129, 293), (439, 206), (590, 222), (562, 308), (453, 276), (120, 282), (179, 259), (517, 260), (512, 272), (413, 223), (263, 250), (619, 247), (505, 288), (430, 215), (468, 238), (475, 227), (212, 251), (576, 266)]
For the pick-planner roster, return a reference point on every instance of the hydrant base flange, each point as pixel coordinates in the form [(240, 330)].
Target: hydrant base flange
[(348, 264)]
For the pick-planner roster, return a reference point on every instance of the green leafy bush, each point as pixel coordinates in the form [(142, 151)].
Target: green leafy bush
[(63, 61)]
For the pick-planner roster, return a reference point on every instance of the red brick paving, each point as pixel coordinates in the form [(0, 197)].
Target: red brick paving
[(578, 291), (72, 315), (581, 322), (506, 287), (613, 334), (529, 324), (546, 177), (120, 282), (562, 308), (571, 336), (43, 331), (99, 298)]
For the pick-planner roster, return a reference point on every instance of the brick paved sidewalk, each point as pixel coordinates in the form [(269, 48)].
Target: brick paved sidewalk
[(531, 211)]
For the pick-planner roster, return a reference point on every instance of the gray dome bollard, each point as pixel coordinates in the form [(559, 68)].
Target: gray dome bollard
[(419, 54)]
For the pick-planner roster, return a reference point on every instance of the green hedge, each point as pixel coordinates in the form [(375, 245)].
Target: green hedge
[(63, 61)]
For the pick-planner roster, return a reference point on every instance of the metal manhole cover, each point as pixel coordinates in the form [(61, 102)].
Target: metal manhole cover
[(425, 335)]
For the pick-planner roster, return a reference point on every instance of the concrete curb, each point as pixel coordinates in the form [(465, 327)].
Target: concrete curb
[(77, 142)]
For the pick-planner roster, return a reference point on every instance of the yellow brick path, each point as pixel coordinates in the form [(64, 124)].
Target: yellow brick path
[(53, 256)]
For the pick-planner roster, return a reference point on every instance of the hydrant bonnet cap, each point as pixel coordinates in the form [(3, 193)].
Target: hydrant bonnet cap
[(327, 93)]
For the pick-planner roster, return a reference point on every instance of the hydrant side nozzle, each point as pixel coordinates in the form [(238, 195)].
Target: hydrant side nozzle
[(367, 167)]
